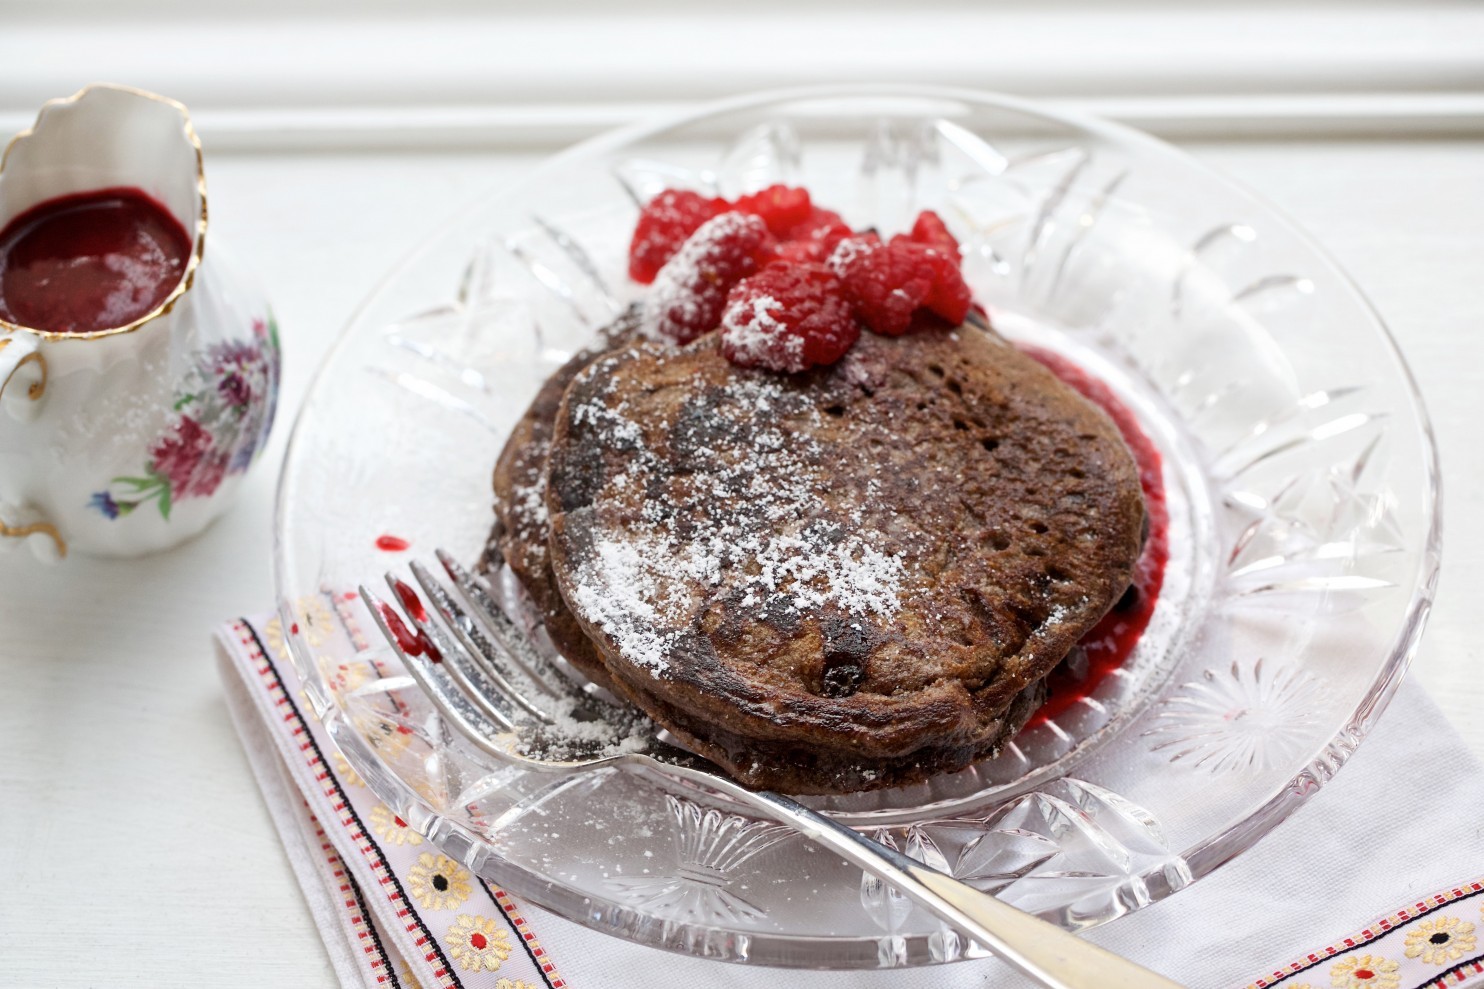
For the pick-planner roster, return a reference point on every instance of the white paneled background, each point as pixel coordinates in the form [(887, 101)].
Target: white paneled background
[(304, 75), (133, 847)]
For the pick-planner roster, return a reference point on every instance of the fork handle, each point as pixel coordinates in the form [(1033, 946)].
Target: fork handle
[(1046, 953)]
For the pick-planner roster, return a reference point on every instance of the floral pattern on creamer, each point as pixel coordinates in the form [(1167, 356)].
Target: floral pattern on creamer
[(223, 410)]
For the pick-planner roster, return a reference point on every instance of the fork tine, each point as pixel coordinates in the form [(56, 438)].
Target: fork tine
[(493, 736), (533, 745), (568, 698), (509, 635), (509, 681), (492, 698), (482, 620)]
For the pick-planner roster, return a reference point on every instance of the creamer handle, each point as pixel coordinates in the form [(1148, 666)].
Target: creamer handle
[(28, 526), (22, 384), (22, 375)]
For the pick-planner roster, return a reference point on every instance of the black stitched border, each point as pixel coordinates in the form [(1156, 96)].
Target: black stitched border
[(344, 621), (350, 809), (518, 936), (1456, 968), (355, 890), (1356, 947)]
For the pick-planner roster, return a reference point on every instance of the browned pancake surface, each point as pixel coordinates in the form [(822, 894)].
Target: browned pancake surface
[(521, 529), (842, 579)]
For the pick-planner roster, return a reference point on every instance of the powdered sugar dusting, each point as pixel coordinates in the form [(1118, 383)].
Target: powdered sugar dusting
[(621, 592), (846, 252), (689, 291), (753, 332), (528, 506), (738, 521), (578, 733)]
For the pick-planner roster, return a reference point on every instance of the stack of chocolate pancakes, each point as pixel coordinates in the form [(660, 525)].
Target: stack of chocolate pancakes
[(840, 580)]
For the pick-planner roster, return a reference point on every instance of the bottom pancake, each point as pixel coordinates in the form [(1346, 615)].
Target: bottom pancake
[(799, 768), (521, 530)]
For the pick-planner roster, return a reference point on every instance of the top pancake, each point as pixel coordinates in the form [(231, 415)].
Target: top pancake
[(867, 563)]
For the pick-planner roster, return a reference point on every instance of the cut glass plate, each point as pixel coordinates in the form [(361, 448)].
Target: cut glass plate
[(1298, 463)]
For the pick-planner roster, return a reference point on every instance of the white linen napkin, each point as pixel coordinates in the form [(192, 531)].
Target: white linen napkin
[(1372, 884)]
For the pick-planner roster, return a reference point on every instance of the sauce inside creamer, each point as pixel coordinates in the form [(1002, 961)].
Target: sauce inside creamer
[(90, 261)]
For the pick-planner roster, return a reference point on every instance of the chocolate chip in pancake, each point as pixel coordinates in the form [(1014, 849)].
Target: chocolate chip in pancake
[(845, 579)]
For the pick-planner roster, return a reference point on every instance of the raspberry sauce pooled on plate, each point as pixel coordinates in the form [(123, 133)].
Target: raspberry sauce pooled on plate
[(1111, 642), (90, 261)]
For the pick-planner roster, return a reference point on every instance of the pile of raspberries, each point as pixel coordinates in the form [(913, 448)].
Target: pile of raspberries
[(790, 285)]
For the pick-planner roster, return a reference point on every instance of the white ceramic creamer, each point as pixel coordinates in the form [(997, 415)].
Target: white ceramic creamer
[(129, 439)]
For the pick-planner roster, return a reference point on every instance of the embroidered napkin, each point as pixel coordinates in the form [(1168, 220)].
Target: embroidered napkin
[(1359, 889)]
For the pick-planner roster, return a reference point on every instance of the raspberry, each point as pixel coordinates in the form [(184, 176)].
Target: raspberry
[(798, 252), (781, 207), (690, 291), (887, 283), (815, 238), (931, 231), (884, 283), (663, 226), (950, 296), (788, 317)]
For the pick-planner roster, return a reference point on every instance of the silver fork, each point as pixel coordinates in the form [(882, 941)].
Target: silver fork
[(497, 689)]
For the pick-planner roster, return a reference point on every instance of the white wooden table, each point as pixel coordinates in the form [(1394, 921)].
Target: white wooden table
[(133, 846)]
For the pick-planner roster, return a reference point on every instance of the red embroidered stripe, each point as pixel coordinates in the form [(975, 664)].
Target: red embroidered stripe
[(348, 818), (538, 954), (1382, 928)]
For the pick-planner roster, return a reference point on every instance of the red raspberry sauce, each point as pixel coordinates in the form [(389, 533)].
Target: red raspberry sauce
[(1110, 643), (90, 261)]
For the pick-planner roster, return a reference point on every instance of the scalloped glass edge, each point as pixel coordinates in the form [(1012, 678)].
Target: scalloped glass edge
[(699, 939)]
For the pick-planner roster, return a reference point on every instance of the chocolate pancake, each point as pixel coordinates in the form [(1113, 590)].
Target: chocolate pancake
[(846, 579), (521, 531)]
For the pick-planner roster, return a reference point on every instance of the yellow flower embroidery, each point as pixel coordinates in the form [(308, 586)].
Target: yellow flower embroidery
[(314, 620), (273, 636), (434, 794), (437, 882), (392, 828), (345, 677), (388, 738), (346, 772), (477, 943), (311, 620), (408, 979), (1365, 972), (513, 984), (1441, 940)]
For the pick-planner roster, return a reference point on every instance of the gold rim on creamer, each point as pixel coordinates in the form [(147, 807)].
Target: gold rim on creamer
[(198, 249)]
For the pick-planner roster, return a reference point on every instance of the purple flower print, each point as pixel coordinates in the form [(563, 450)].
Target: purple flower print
[(242, 459), (235, 355), (235, 390), (103, 501)]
